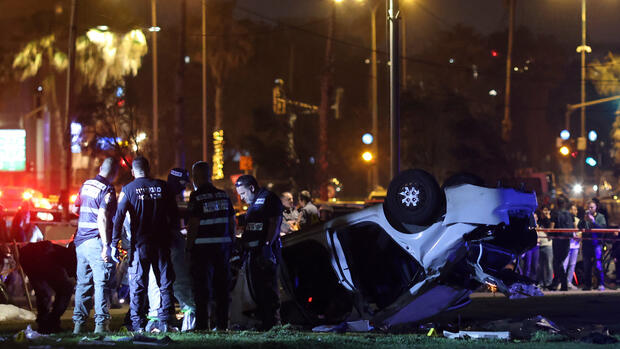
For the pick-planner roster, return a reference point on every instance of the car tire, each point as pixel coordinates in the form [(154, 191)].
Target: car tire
[(413, 197), (463, 178), (458, 179)]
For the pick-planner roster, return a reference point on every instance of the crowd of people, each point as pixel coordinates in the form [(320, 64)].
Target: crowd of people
[(551, 263), (170, 253)]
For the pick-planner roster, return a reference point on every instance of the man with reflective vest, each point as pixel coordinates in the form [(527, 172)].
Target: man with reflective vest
[(96, 203), (261, 239), (209, 243), (152, 215)]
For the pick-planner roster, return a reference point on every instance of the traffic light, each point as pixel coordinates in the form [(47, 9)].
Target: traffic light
[(564, 150), (367, 156)]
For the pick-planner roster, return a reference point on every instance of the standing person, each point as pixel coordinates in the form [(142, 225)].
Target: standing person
[(289, 215), (96, 203), (209, 242), (592, 247), (308, 213), (561, 244), (575, 241), (544, 275), (152, 211), (261, 238), (178, 179), (530, 258), (49, 268)]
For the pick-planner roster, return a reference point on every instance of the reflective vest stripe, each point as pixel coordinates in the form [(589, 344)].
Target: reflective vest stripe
[(87, 225), (89, 210), (213, 221), (219, 240), (253, 243)]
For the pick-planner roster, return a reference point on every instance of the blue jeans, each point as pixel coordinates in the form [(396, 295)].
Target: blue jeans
[(569, 264), (592, 253), (92, 272), (545, 269)]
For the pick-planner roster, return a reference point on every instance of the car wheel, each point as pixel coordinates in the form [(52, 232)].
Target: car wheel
[(463, 178), (413, 197)]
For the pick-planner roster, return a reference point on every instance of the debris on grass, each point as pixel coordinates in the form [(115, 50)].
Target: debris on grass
[(9, 312), (351, 326), (477, 335), (598, 338)]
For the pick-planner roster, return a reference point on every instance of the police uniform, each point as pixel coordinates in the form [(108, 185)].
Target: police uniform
[(210, 253), (49, 268), (152, 211), (95, 193), (263, 261)]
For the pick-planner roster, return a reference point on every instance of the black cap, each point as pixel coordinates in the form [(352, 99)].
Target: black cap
[(177, 179)]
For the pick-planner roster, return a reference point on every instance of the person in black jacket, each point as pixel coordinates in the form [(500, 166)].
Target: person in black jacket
[(261, 238), (153, 215), (561, 244), (49, 268), (210, 239), (592, 246)]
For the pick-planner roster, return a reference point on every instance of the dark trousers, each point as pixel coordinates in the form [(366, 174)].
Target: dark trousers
[(263, 269), (210, 270), (141, 261), (55, 282), (561, 247), (592, 252)]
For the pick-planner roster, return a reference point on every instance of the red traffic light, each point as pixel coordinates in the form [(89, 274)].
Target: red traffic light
[(494, 53)]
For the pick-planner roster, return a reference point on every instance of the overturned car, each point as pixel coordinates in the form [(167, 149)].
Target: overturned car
[(423, 251)]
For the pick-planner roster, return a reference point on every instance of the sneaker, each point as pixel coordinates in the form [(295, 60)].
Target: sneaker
[(78, 327), (572, 287), (601, 288), (151, 325), (103, 327)]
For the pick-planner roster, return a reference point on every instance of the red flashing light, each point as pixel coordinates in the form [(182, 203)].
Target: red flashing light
[(574, 154), (494, 53), (309, 299)]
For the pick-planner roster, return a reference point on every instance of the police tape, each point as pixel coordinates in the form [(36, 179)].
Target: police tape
[(553, 233)]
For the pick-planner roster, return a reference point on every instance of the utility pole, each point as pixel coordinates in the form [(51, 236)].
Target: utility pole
[(154, 31), (326, 81), (507, 123), (393, 18), (403, 21), (374, 175), (583, 49), (179, 91), (205, 140), (67, 168)]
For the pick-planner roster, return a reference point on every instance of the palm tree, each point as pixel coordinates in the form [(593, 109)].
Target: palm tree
[(41, 58), (102, 59)]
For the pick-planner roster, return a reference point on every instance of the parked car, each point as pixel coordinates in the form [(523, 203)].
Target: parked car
[(423, 251)]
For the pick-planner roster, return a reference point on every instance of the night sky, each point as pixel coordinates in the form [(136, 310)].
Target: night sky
[(560, 18)]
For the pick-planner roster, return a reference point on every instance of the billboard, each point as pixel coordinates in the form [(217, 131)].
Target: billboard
[(12, 150)]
